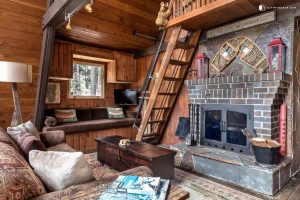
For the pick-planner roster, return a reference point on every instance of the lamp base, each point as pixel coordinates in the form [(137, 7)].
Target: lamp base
[(17, 115)]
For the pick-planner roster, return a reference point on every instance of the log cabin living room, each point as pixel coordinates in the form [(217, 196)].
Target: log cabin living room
[(156, 100)]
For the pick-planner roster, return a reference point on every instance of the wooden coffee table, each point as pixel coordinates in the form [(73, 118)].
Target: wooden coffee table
[(160, 160)]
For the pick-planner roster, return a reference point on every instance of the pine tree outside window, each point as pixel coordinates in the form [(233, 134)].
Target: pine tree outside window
[(88, 81)]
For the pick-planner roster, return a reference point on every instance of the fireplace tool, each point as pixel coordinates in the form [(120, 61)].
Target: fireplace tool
[(190, 139)]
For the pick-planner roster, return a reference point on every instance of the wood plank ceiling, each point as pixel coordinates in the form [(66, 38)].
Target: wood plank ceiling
[(112, 23), (224, 11)]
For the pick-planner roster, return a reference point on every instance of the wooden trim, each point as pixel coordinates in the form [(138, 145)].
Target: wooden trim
[(200, 11)]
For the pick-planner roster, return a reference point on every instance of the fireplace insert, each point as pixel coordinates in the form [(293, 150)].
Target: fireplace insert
[(221, 126)]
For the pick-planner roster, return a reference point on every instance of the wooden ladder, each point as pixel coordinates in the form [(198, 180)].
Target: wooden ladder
[(167, 85)]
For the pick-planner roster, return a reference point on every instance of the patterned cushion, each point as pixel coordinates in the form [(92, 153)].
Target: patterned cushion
[(17, 181), (65, 116), (29, 127), (59, 170), (4, 138), (115, 113), (61, 147), (28, 142)]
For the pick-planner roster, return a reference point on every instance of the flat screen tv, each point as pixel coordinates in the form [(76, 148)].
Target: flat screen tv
[(126, 97)]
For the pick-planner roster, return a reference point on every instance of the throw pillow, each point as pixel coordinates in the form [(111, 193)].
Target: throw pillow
[(115, 113), (28, 142), (18, 181), (29, 127), (59, 170), (65, 116)]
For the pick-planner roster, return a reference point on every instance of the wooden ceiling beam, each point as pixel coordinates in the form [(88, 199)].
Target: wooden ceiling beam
[(55, 15)]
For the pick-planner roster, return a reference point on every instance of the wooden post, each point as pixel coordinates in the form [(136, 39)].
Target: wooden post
[(53, 18), (45, 63), (17, 116)]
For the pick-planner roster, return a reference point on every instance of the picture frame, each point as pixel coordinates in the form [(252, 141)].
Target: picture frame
[(53, 93)]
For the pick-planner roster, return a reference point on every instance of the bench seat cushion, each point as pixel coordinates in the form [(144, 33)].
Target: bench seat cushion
[(92, 125)]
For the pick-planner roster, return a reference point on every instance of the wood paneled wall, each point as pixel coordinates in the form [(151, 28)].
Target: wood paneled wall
[(86, 143), (181, 108), (86, 103), (20, 41)]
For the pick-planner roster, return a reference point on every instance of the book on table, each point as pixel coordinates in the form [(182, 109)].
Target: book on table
[(136, 187)]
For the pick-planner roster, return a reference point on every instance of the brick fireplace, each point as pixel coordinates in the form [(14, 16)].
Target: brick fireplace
[(253, 100)]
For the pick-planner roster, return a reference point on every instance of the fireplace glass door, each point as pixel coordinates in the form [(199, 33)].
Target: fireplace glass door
[(222, 124)]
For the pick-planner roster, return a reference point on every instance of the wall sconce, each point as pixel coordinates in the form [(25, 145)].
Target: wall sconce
[(69, 25), (89, 7), (202, 64), (276, 55)]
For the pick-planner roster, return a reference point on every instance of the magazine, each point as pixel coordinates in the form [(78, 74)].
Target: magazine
[(112, 192), (138, 185)]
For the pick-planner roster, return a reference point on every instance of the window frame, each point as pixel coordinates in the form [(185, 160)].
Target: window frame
[(88, 62)]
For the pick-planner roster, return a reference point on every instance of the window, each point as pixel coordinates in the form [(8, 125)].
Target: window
[(88, 80)]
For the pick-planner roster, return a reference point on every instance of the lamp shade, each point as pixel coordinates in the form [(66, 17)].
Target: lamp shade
[(15, 72)]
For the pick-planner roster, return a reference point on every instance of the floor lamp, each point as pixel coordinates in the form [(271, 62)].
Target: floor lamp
[(15, 73)]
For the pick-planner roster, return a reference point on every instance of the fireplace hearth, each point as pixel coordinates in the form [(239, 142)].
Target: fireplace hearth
[(219, 108)]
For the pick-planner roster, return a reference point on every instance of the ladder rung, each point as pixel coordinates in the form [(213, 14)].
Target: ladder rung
[(167, 93), (152, 134), (144, 98), (147, 92), (178, 62), (172, 79), (161, 108), (183, 45), (155, 122)]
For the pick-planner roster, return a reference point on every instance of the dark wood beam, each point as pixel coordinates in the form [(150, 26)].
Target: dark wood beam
[(53, 18), (55, 15), (45, 63)]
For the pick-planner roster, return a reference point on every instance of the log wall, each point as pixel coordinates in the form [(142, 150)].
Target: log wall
[(20, 41)]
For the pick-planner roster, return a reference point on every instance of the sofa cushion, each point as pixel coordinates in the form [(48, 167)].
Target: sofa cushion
[(60, 170), (50, 121), (29, 127), (18, 181), (115, 113), (93, 125), (65, 115), (28, 142), (4, 138), (99, 113), (84, 114), (61, 147)]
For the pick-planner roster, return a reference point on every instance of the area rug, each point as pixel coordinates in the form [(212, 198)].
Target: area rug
[(201, 188)]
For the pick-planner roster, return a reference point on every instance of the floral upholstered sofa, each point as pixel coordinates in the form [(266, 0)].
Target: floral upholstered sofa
[(18, 181)]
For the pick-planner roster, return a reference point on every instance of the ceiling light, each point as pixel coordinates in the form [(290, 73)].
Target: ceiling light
[(69, 25), (89, 7)]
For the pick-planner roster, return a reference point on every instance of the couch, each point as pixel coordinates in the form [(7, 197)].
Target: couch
[(92, 123), (18, 177), (90, 119)]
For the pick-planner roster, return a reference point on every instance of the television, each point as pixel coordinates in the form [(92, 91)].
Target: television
[(126, 97)]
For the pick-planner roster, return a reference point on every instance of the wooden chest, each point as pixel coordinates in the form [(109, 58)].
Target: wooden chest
[(160, 160)]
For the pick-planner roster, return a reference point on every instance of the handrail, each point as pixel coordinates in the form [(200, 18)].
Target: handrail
[(179, 9)]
